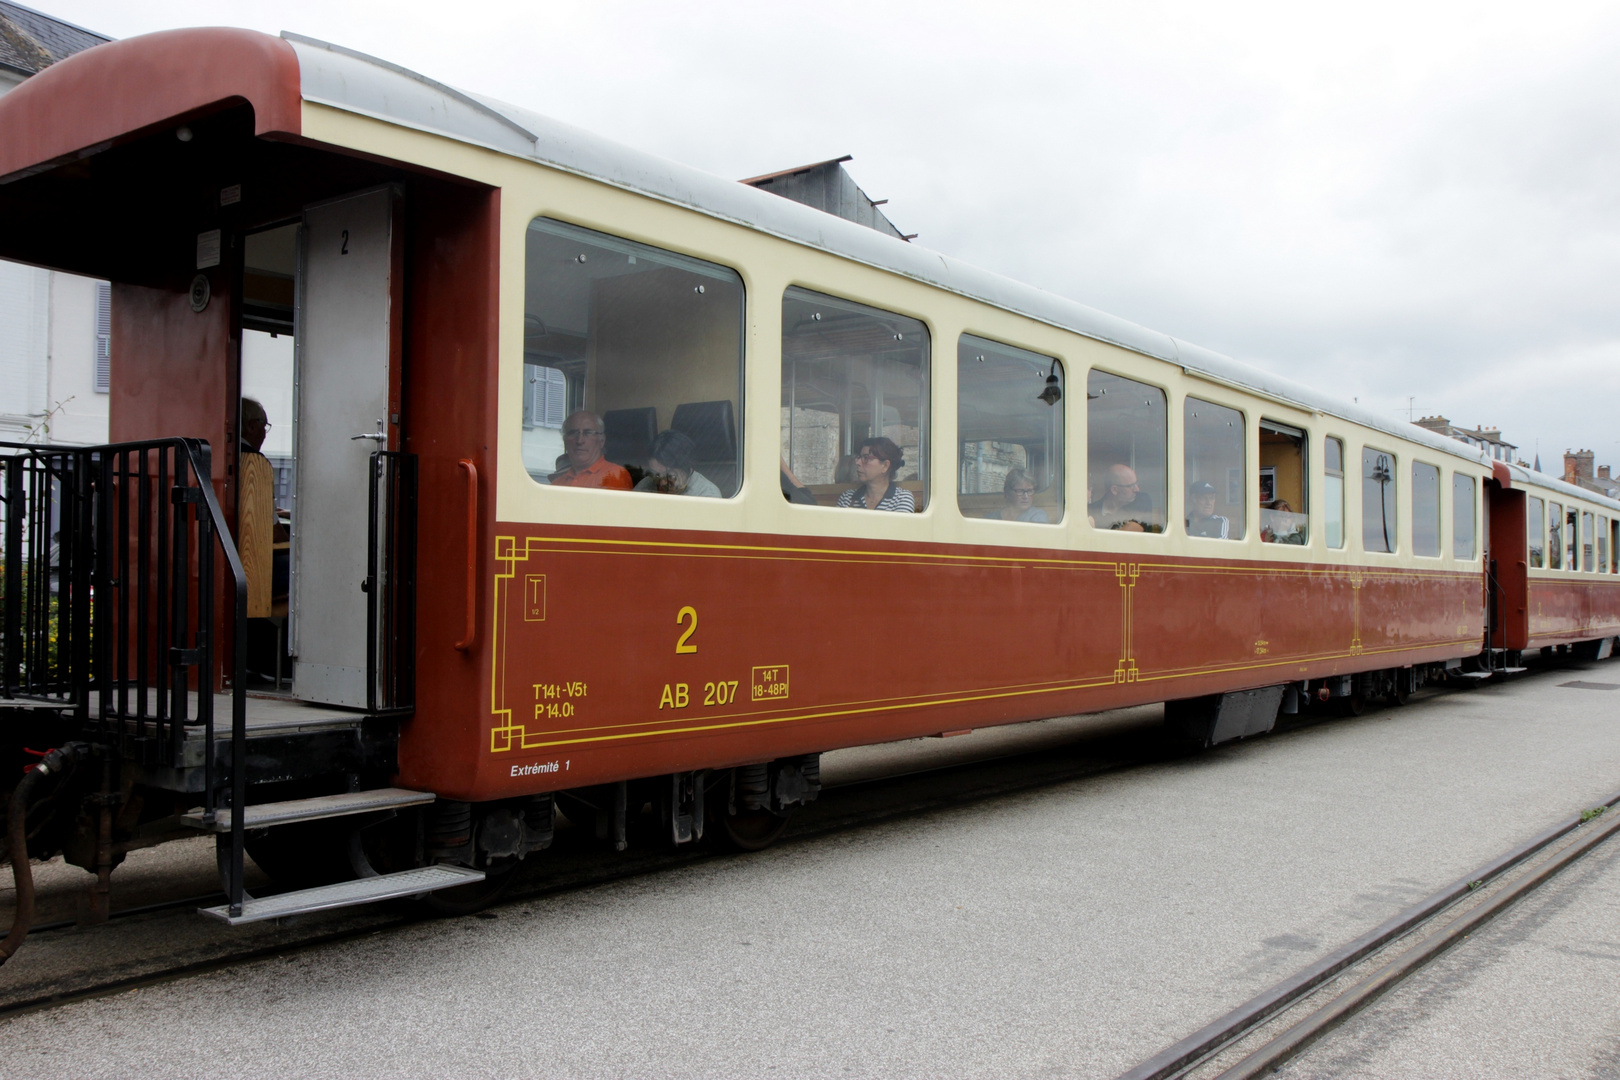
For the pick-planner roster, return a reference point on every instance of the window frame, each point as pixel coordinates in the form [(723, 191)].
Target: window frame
[(1175, 488), (1439, 509), (1473, 523), (1164, 390), (1058, 463), (1393, 533), (1344, 506), (1538, 523)]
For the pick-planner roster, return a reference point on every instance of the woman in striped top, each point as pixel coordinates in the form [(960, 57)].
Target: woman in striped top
[(875, 467)]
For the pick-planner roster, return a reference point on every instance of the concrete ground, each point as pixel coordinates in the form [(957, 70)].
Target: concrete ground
[(1070, 930)]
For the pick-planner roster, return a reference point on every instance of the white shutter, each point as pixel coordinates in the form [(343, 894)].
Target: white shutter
[(103, 357), (556, 398)]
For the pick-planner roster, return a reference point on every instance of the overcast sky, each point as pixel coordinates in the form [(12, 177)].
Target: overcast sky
[(1388, 201)]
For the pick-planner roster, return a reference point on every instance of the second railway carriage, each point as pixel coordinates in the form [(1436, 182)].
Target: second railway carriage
[(471, 643)]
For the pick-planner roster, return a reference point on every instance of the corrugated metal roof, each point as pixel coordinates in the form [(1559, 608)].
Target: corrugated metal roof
[(353, 81), (31, 41)]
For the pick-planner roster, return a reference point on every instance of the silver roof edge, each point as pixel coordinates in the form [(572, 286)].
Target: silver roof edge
[(336, 76), (1552, 483)]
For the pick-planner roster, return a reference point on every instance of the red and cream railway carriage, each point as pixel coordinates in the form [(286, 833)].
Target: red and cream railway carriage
[(470, 643)]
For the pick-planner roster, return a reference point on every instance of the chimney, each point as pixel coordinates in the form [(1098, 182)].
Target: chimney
[(1603, 472), (1578, 464), (1437, 424)]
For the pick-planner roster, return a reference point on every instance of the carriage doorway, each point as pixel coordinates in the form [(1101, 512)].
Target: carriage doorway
[(346, 408)]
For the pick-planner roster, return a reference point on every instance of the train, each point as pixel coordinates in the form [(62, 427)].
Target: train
[(623, 492)]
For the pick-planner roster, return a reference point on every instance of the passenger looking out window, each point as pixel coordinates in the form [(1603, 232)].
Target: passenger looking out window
[(852, 374), (1019, 492), (672, 468), (878, 461), (1216, 469), (583, 439), (1009, 419), (1377, 500), (1126, 451), (1202, 520), (1284, 511), (1536, 525), (632, 340)]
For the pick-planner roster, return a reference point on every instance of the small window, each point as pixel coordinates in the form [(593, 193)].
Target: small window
[(1614, 547), (1126, 455), (103, 349), (854, 402), (1333, 491), (1572, 553), (1216, 470), (1536, 525), (1284, 511), (1586, 541), (1555, 536), (648, 348), (1425, 509), (1462, 516), (1377, 500), (1602, 544), (1009, 419)]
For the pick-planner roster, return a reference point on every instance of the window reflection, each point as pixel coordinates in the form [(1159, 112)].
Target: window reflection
[(1011, 439), (1127, 481), (1536, 526), (1216, 470), (1333, 491), (1377, 500), (1555, 536), (1462, 516), (1425, 509)]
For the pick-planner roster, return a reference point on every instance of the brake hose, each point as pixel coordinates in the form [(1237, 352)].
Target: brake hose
[(54, 761)]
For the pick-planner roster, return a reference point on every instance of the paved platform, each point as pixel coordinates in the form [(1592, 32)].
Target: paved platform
[(1067, 931)]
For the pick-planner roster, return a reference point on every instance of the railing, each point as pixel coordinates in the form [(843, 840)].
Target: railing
[(391, 585), (109, 605)]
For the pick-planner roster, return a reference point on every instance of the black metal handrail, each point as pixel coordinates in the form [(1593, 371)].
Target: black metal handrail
[(122, 530)]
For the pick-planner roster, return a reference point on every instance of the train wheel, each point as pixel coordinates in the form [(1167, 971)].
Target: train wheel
[(750, 830), (304, 855), (1354, 705)]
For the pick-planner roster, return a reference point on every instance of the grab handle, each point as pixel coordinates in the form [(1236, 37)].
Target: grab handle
[(472, 554)]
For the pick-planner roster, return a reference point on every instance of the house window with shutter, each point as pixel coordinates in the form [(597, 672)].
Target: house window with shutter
[(103, 356)]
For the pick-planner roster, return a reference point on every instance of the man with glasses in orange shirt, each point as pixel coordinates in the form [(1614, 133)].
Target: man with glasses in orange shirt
[(584, 436)]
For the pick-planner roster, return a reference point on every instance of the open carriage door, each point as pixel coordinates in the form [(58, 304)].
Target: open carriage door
[(350, 309)]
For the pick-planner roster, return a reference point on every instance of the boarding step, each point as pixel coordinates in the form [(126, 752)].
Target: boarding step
[(347, 894), (1472, 674), (264, 815), (1510, 670)]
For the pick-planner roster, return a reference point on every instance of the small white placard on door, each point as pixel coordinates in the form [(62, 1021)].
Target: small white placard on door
[(207, 249)]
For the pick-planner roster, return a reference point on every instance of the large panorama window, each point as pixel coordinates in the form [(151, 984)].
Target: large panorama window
[(1462, 516), (1377, 500), (1284, 510), (1425, 509), (1216, 471), (1009, 420), (854, 403), (632, 365), (1125, 454), (1536, 526)]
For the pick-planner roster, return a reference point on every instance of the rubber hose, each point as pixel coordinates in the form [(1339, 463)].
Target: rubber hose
[(17, 836)]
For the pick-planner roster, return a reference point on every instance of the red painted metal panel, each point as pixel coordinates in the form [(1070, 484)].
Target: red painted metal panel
[(622, 653), (1508, 551), (116, 90), (1578, 609)]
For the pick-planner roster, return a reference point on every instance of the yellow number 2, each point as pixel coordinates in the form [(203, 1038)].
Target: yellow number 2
[(681, 645)]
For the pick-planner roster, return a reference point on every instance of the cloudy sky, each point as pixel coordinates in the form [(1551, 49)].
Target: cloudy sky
[(1413, 205)]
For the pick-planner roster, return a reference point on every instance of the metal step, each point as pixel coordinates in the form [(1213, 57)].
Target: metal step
[(1472, 674), (1510, 670), (347, 894), (264, 815)]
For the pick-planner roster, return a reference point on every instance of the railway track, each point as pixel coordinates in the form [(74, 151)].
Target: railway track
[(1282, 1021)]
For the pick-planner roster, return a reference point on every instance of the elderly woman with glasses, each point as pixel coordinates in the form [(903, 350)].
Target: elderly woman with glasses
[(875, 467), (1019, 491)]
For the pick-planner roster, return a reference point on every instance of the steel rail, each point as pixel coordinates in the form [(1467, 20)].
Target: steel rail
[(1290, 1042), (1182, 1056)]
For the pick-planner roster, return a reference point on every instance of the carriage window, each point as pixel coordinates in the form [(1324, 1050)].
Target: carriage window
[(1333, 491), (1614, 547), (1536, 525), (1572, 555), (1425, 509), (1602, 545), (1586, 540), (1377, 500), (1127, 481), (850, 375), (1009, 420), (1215, 470), (1284, 512), (1462, 516), (1555, 536), (632, 365)]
